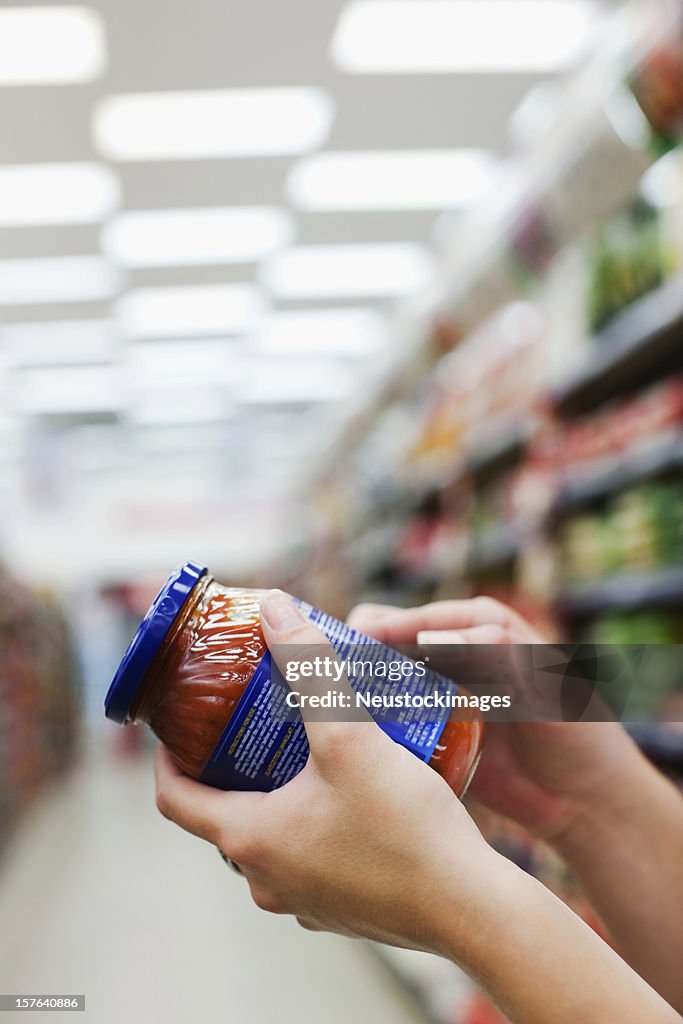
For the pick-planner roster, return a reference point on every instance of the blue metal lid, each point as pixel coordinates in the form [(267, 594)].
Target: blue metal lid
[(149, 637)]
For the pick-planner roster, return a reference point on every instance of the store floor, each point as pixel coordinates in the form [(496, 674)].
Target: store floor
[(99, 895)]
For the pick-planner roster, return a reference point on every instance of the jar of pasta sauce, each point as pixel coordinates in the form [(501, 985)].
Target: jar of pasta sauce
[(199, 674)]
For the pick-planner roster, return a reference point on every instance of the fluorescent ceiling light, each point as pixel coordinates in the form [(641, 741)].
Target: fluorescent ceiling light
[(47, 45), (418, 36), (97, 448), (163, 364), (628, 120), (56, 194), (66, 279), (662, 184), (532, 119), (69, 390), (182, 466), (199, 405), (189, 309), (162, 238), (335, 271), (343, 332), (295, 381), (63, 341), (421, 180), (154, 440), (191, 125)]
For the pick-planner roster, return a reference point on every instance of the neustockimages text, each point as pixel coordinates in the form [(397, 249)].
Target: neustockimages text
[(387, 671)]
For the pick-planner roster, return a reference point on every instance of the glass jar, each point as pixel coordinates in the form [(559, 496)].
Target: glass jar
[(198, 673)]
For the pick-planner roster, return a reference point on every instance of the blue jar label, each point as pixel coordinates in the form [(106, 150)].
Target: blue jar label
[(264, 744)]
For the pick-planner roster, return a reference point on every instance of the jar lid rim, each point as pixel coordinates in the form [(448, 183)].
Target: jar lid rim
[(149, 637)]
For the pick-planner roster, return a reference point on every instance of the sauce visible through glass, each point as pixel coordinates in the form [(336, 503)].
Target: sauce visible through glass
[(205, 665)]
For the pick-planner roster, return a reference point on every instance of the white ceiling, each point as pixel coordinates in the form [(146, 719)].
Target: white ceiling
[(177, 45), (219, 44)]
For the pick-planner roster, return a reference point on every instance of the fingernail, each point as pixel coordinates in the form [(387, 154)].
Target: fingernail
[(452, 637), (280, 613)]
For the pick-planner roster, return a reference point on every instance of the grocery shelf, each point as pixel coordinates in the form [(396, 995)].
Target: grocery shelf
[(505, 445), (662, 744), (582, 487), (643, 337), (624, 592), (493, 547), (508, 443), (408, 497), (374, 550)]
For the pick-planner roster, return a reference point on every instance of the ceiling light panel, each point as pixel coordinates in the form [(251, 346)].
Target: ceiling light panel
[(59, 342), (421, 180), (37, 194), (662, 184), (69, 390), (180, 363), (193, 125), (96, 448), (160, 238), (155, 440), (342, 332), (189, 310), (295, 381), (495, 36), (50, 45), (337, 271), (66, 279), (181, 406)]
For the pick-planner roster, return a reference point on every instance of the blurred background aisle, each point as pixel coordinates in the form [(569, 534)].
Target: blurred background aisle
[(106, 898), (367, 300)]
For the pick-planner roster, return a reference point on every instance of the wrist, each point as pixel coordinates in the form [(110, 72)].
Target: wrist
[(465, 921), (514, 921), (603, 811)]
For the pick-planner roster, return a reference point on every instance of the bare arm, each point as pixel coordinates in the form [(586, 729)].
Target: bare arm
[(585, 788), (368, 841), (626, 847), (541, 963)]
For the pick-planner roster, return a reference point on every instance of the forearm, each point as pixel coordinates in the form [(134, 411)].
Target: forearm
[(627, 851), (540, 962)]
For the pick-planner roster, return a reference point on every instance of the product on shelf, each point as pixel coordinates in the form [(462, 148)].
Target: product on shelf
[(481, 391), (571, 463), (494, 504), (658, 82), (628, 260), (624, 426), (39, 698), (664, 686), (638, 531), (638, 628)]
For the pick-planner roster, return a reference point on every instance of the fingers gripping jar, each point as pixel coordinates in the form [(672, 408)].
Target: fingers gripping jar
[(199, 674)]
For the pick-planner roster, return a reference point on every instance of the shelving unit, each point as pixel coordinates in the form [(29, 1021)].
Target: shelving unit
[(637, 344), (624, 592), (591, 484), (498, 505), (39, 699), (495, 546), (662, 745), (505, 447)]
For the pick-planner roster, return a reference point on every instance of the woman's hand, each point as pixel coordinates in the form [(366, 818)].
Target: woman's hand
[(582, 786), (544, 775), (361, 842), (368, 841)]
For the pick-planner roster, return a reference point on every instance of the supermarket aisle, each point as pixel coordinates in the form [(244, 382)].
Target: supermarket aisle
[(99, 895)]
